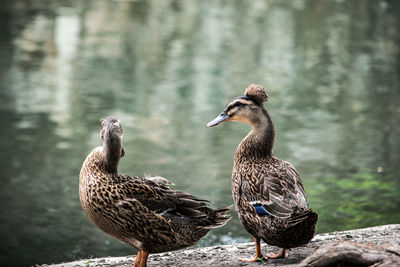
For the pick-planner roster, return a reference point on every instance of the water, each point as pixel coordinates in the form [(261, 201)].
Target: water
[(166, 68)]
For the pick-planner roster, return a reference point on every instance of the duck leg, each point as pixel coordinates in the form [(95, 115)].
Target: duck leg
[(282, 254), (143, 260), (259, 256), (138, 258)]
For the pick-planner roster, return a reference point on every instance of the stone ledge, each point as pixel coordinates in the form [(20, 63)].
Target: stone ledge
[(228, 255)]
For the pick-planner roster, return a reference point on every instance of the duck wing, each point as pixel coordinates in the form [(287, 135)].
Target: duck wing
[(156, 195), (137, 205), (140, 223), (273, 189)]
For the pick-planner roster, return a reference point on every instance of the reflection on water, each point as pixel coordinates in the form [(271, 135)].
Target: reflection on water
[(165, 68)]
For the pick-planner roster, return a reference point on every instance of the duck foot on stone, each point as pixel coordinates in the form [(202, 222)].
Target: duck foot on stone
[(282, 254), (259, 256)]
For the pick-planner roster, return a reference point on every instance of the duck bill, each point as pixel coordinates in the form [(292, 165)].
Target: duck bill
[(223, 117)]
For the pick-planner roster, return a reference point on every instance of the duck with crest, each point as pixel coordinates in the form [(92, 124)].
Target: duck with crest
[(268, 193), (145, 213)]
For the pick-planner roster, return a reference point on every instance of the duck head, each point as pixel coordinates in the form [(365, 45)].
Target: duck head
[(111, 133), (248, 108), (111, 129)]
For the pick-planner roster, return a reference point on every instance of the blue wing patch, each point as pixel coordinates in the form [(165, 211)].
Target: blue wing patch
[(260, 210)]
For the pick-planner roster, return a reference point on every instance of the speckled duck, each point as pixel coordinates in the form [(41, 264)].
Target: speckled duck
[(269, 195), (145, 213)]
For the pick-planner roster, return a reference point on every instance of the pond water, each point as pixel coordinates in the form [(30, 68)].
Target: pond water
[(166, 68)]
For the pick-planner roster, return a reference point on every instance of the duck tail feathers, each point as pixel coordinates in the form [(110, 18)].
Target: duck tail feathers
[(220, 218)]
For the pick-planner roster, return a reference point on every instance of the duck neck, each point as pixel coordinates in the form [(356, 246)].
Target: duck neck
[(259, 142), (112, 147)]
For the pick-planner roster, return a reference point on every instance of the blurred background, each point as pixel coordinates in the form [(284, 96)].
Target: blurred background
[(166, 68)]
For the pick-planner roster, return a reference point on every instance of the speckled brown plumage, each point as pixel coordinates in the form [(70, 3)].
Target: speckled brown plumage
[(269, 195), (145, 213)]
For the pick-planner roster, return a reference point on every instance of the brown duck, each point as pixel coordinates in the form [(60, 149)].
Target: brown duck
[(268, 192), (145, 213)]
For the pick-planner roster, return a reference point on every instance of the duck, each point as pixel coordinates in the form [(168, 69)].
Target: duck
[(269, 195), (143, 212)]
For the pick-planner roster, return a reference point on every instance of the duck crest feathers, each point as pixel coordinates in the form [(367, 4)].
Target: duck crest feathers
[(256, 93)]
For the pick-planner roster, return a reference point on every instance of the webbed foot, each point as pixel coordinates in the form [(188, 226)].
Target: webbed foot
[(282, 254), (259, 256), (255, 259)]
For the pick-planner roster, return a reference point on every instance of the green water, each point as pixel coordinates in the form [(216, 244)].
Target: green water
[(166, 68)]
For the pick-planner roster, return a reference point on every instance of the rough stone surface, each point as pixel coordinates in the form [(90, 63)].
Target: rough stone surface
[(347, 253), (228, 255)]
